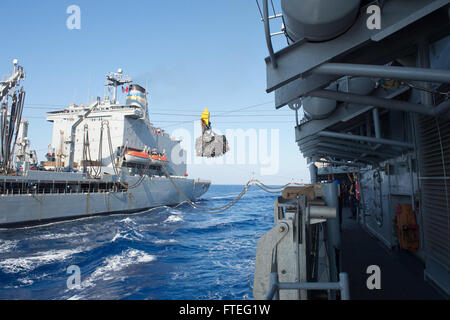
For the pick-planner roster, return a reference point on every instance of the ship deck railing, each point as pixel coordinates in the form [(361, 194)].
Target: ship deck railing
[(276, 286)]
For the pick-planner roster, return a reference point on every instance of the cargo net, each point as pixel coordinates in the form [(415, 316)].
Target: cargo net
[(211, 145)]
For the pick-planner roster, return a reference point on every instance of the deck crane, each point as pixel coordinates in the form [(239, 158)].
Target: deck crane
[(10, 115)]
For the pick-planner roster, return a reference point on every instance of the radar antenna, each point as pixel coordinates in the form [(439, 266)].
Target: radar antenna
[(116, 79)]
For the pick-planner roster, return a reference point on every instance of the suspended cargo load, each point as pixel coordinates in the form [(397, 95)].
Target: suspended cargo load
[(210, 145)]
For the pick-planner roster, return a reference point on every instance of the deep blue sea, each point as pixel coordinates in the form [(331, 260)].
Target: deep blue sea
[(163, 254)]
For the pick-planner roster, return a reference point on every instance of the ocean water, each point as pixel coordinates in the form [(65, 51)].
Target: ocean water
[(167, 253)]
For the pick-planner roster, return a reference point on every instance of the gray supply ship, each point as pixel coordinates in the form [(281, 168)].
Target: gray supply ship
[(104, 158), (369, 84)]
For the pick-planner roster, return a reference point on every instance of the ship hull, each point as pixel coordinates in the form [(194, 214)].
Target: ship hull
[(21, 210)]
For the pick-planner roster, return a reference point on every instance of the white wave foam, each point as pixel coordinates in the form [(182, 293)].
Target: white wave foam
[(54, 236), (169, 241), (176, 212), (116, 263), (119, 236), (8, 245), (16, 265), (76, 297), (134, 236), (173, 218), (26, 281), (128, 220)]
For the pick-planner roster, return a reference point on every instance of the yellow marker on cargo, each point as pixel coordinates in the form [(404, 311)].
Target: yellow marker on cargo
[(206, 117)]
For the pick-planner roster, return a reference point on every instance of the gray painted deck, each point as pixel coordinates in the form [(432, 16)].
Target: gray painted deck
[(402, 274)]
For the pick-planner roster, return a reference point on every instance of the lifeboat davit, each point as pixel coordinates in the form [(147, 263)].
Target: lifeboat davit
[(141, 157)]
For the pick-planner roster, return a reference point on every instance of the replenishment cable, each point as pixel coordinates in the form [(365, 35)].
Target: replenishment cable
[(248, 185)]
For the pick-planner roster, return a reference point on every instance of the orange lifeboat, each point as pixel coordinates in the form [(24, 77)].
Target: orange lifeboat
[(141, 157), (138, 157), (159, 157)]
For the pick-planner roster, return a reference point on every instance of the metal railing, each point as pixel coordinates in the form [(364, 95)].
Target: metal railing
[(265, 18), (342, 286), (268, 35)]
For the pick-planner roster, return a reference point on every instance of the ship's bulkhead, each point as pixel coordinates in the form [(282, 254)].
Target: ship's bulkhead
[(417, 176), (372, 107), (123, 126), (434, 146), (140, 134)]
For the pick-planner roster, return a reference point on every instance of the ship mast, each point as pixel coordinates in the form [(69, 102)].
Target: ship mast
[(116, 79)]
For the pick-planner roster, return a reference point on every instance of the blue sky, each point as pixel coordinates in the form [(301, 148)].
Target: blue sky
[(189, 54)]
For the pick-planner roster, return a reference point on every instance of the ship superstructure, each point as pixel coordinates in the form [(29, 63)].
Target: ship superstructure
[(102, 136), (104, 158), (369, 84)]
